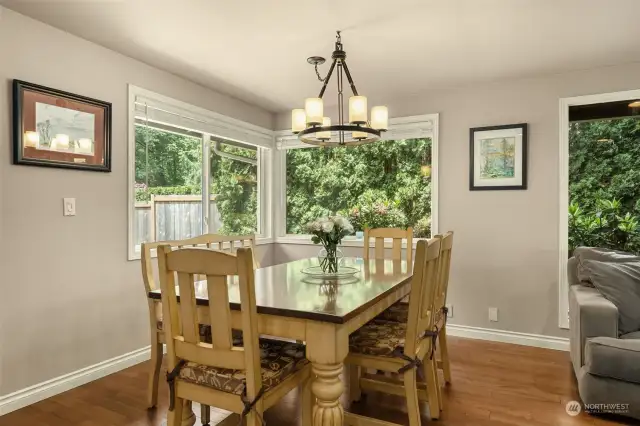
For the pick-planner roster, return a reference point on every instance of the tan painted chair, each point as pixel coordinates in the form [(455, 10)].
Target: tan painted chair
[(395, 234), (233, 375), (403, 347), (219, 242), (399, 311), (446, 247)]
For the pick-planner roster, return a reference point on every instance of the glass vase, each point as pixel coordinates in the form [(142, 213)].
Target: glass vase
[(330, 258)]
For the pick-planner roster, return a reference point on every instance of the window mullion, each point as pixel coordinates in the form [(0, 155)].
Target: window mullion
[(206, 175)]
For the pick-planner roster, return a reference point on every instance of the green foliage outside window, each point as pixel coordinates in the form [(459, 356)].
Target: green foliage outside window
[(171, 164), (385, 184), (604, 184), (236, 185)]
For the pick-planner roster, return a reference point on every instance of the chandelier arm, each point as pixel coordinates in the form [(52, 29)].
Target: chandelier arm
[(349, 79), (326, 79)]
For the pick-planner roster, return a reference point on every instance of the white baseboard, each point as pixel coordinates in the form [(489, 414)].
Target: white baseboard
[(526, 339), (44, 390)]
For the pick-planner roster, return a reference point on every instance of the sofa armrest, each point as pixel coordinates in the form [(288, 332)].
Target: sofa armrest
[(590, 315), (614, 358)]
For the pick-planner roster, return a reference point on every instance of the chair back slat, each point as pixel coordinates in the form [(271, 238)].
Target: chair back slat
[(397, 236), (218, 292), (422, 295), (396, 250), (182, 329), (379, 248), (446, 247), (188, 309)]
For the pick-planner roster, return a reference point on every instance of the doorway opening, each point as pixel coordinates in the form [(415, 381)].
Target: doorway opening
[(599, 177)]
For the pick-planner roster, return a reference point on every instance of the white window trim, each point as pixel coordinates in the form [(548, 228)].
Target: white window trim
[(411, 127), (180, 114), (565, 103)]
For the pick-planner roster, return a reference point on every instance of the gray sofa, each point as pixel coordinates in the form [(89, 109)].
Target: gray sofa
[(607, 365)]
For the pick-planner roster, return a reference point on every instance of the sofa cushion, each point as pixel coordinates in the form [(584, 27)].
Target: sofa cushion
[(581, 254), (620, 284), (615, 358), (634, 335)]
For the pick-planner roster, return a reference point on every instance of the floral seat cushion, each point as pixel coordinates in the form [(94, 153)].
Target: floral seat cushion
[(399, 312), (379, 338), (278, 359)]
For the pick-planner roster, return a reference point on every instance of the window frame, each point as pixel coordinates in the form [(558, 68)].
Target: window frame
[(410, 127), (180, 114)]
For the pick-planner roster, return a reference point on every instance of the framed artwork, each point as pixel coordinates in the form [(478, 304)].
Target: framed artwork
[(498, 157), (53, 128)]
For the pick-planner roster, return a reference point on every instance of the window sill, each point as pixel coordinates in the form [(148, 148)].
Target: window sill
[(346, 242)]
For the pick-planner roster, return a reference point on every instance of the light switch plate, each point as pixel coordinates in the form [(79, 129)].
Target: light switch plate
[(493, 314), (69, 206), (449, 311)]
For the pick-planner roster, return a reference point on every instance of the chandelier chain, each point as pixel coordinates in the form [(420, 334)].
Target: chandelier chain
[(318, 74)]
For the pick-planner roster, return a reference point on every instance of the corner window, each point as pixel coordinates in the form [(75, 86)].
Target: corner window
[(384, 184), (191, 173)]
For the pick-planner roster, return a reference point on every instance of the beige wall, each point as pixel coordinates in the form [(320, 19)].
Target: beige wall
[(69, 297), (506, 248)]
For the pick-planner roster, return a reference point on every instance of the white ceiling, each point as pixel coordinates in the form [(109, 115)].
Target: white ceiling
[(256, 50)]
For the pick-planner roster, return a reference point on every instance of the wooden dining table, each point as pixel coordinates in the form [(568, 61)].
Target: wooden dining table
[(322, 313)]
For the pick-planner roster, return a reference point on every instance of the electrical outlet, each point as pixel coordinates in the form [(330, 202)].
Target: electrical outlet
[(493, 314), (449, 311), (69, 206)]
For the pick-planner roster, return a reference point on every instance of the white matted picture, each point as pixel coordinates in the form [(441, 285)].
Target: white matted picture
[(498, 157), (63, 129)]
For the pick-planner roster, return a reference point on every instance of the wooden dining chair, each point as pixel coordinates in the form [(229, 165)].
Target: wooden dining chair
[(397, 235), (442, 312), (245, 376), (404, 347), (219, 242), (399, 311)]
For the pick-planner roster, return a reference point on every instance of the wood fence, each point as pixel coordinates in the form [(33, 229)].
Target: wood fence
[(172, 217)]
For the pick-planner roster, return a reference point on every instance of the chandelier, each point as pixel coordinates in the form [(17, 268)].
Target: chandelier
[(314, 128)]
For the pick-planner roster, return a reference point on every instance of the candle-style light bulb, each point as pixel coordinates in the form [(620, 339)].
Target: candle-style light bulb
[(325, 135), (314, 109), (358, 109), (298, 120), (380, 118)]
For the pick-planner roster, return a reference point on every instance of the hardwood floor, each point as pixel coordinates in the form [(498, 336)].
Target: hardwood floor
[(493, 384)]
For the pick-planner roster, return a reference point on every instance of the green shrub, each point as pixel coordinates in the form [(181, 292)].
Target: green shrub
[(143, 194), (603, 226), (374, 210)]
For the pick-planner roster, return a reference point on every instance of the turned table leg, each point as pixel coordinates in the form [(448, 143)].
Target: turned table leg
[(327, 388), (188, 417)]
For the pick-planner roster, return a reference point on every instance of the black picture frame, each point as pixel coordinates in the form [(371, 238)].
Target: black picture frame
[(104, 131), (524, 153)]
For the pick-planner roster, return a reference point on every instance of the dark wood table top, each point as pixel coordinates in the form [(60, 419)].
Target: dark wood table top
[(285, 290)]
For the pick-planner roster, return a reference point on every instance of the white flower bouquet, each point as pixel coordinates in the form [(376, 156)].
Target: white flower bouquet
[(329, 231)]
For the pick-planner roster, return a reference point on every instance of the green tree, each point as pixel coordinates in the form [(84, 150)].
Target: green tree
[(167, 159), (235, 184), (388, 182), (604, 183)]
